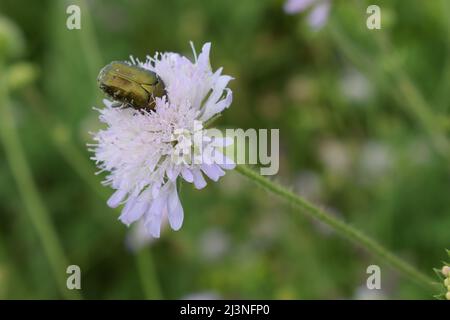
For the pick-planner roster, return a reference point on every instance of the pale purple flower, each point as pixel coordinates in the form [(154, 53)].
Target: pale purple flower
[(146, 152), (376, 161), (319, 10)]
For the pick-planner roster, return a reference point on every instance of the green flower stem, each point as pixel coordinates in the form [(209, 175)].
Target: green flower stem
[(35, 207), (148, 273), (339, 227)]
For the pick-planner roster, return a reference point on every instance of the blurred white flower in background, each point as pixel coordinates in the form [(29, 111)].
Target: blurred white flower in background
[(267, 228), (214, 243), (309, 185), (335, 156), (355, 86), (318, 15), (375, 161), (142, 150)]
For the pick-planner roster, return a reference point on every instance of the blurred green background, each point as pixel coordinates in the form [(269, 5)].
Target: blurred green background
[(364, 132)]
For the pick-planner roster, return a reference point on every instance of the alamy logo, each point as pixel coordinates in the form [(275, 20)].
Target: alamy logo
[(199, 146), (374, 20), (74, 280), (374, 280), (74, 19)]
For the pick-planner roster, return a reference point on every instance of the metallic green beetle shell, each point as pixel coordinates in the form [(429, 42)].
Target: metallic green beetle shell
[(130, 84)]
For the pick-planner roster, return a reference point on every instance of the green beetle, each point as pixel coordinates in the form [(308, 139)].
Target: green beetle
[(131, 84)]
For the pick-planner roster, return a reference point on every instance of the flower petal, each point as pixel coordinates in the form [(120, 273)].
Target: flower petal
[(173, 172), (203, 57), (135, 209), (153, 225), (319, 16), (131, 201), (295, 6), (175, 209), (223, 161), (155, 212), (187, 175), (213, 171), (117, 197), (199, 181), (213, 107), (155, 189)]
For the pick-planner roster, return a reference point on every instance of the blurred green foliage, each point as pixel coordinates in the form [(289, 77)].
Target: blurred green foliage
[(359, 113)]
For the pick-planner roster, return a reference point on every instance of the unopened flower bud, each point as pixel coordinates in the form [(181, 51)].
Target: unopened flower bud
[(446, 271)]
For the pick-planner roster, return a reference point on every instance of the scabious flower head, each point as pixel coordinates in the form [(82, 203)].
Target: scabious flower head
[(146, 152), (319, 10)]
